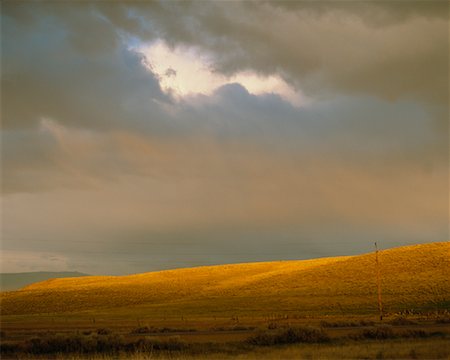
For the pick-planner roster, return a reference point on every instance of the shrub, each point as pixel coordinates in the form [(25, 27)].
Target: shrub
[(173, 343), (241, 328), (263, 338), (421, 334), (169, 330), (443, 320), (414, 334), (151, 329), (402, 321), (379, 333), (366, 323), (328, 324), (385, 332), (108, 344), (289, 335), (143, 330), (103, 344), (59, 344), (232, 328), (141, 345), (103, 331), (74, 344), (9, 348)]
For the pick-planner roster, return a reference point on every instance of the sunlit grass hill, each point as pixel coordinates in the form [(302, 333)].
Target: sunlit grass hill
[(412, 277)]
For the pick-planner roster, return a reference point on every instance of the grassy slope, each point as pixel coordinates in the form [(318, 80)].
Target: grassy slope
[(412, 276)]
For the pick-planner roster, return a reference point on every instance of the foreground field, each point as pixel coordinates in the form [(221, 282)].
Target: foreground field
[(387, 349), (314, 309), (398, 338)]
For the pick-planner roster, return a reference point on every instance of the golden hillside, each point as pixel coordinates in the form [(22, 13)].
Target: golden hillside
[(413, 277)]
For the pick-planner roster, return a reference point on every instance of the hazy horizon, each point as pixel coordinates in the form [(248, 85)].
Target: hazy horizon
[(147, 136)]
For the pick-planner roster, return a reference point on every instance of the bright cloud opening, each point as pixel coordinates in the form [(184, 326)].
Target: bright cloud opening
[(185, 71)]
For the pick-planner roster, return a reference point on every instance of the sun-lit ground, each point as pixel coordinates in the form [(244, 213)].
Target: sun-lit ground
[(211, 312), (411, 277)]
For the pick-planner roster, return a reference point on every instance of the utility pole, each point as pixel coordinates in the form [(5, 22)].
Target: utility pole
[(380, 304)]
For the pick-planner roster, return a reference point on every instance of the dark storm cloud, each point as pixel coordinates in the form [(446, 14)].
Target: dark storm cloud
[(375, 13), (43, 76), (389, 49), (69, 61)]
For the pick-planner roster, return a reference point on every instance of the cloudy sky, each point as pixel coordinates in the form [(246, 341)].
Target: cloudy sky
[(149, 135)]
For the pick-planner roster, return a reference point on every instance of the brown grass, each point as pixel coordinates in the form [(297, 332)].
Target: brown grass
[(413, 277), (389, 349)]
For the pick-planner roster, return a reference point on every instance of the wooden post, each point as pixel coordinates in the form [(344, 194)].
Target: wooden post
[(380, 304)]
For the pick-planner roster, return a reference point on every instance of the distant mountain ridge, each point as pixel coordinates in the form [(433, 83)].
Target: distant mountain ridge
[(16, 281)]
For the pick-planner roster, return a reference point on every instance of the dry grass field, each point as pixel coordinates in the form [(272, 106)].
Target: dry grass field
[(212, 312), (395, 349), (413, 277)]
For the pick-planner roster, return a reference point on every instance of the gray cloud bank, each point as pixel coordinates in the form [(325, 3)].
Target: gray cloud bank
[(97, 158)]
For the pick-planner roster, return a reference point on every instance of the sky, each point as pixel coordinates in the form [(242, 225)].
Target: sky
[(139, 136)]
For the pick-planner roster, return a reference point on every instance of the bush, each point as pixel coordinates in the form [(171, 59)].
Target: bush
[(57, 344), (106, 344), (414, 334), (141, 345), (262, 339), (402, 321), (328, 324), (143, 330), (443, 320), (9, 348), (378, 333), (385, 332), (169, 330), (68, 344), (241, 328), (420, 334), (290, 335), (103, 331), (173, 343), (273, 325), (74, 344), (232, 328), (151, 329), (366, 323)]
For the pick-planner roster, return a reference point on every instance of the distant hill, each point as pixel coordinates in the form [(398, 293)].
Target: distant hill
[(412, 277), (15, 281)]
